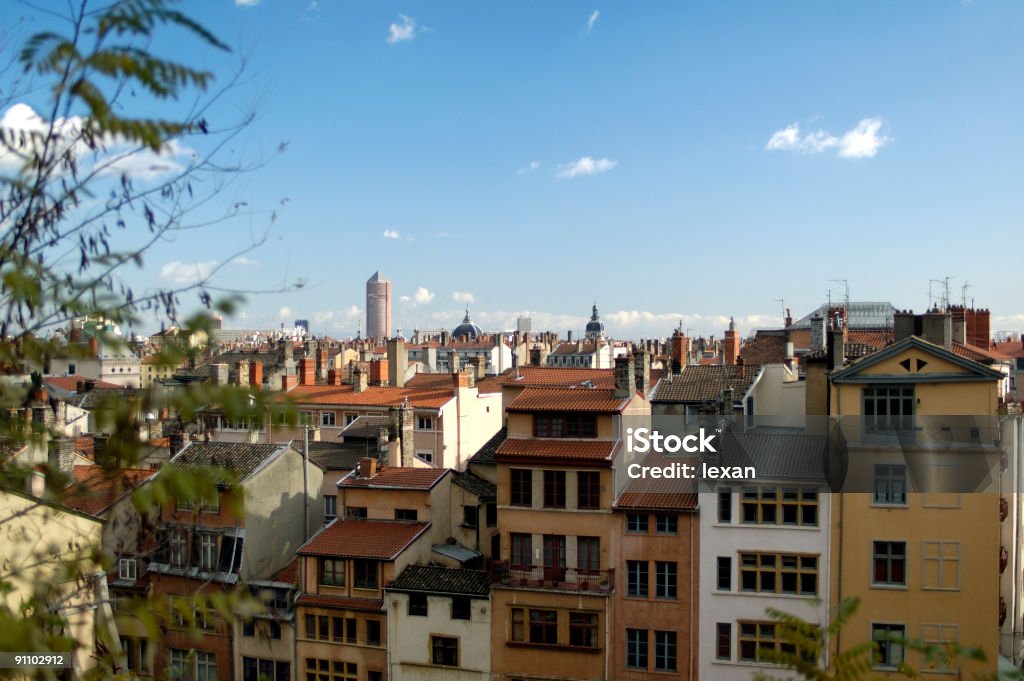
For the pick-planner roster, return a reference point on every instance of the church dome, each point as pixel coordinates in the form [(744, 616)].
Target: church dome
[(468, 328), (595, 327)]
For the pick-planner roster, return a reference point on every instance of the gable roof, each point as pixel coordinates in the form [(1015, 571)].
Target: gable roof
[(474, 484), (765, 348), (660, 494), (69, 384), (96, 488), (396, 477), (442, 580), (560, 450), (376, 539), (568, 399), (564, 377), (373, 396), (365, 427), (977, 372), (485, 455), (859, 315), (337, 456), (241, 458), (705, 383)]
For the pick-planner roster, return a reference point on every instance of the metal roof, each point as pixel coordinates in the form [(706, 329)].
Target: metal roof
[(859, 315)]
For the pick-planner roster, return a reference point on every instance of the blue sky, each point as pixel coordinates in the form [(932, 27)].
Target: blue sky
[(670, 160)]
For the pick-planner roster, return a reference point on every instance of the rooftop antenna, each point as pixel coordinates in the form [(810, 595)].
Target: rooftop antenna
[(782, 304), (963, 294), (846, 294), (944, 300)]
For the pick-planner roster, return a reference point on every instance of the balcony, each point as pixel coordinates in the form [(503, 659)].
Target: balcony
[(559, 579)]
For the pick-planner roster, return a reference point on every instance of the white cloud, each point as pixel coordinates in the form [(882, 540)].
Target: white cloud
[(463, 297), (245, 262), (321, 318), (391, 234), (402, 32), (585, 166), (863, 141), (528, 169), (180, 273), (247, 3), (442, 235), (285, 313), (423, 296), (592, 20), (404, 299), (353, 312)]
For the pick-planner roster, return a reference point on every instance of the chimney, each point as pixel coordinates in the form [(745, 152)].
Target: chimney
[(289, 381), (568, 336), (358, 379), (460, 380), (220, 374), (367, 467), (256, 373), (398, 362), (333, 377), (789, 355), (243, 373), (817, 332), (322, 359), (379, 371), (535, 357), (958, 324), (406, 421), (454, 366), (788, 321), (903, 324), (836, 347), (94, 347), (937, 328), (307, 371), (479, 365), (680, 351), (732, 345), (625, 377), (642, 371), (35, 485)]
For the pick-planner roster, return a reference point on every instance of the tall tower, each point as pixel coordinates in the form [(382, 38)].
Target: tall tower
[(378, 307)]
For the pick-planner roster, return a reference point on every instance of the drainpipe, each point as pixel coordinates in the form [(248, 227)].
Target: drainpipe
[(305, 484)]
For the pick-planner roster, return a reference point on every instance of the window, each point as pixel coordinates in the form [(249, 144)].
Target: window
[(332, 572), (318, 670), (444, 650), (583, 629), (374, 676), (665, 651), (305, 417), (636, 522), (373, 632), (206, 667), (248, 628), (636, 578), (330, 507), (554, 556), (588, 553), (890, 484), (492, 515), (666, 523), (780, 573), (357, 512), (470, 516), (350, 417), (889, 640), (943, 638), (327, 418), (565, 425), (72, 369), (940, 565), (521, 487), (665, 579), (757, 637), (588, 489), (767, 506), (554, 489), (351, 624), (365, 574), (725, 506), (275, 630), (256, 669), (522, 549), (178, 663), (636, 648), (725, 573), (425, 455), (418, 605), (208, 551), (318, 627), (888, 409), (723, 641), (424, 423), (179, 551), (890, 563), (462, 607), (535, 626), (127, 568), (406, 514)]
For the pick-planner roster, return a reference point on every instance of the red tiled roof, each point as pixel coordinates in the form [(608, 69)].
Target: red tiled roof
[(431, 381), (289, 574), (973, 353), (584, 348), (876, 338), (366, 604), (1008, 349), (764, 349), (557, 377), (491, 384), (554, 450), (373, 396), (568, 399), (95, 488), (395, 477), (376, 539), (70, 383), (661, 493)]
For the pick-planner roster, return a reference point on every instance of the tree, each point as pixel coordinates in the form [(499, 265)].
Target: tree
[(87, 187)]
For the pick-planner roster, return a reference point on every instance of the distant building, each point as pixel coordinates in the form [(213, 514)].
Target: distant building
[(302, 324), (468, 329), (524, 325), (595, 327), (378, 307)]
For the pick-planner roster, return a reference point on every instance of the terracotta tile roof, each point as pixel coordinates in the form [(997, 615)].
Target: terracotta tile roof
[(485, 455), (395, 477), (709, 361), (584, 348), (96, 488), (431, 381), (568, 399), (442, 580), (976, 354), (491, 384), (565, 377), (1008, 349), (764, 349), (877, 338), (562, 450), (341, 602), (70, 383), (289, 574), (706, 383), (657, 494), (373, 396), (376, 539)]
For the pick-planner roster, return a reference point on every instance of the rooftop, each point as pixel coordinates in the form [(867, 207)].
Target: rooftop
[(96, 488), (560, 377), (442, 580), (561, 450), (485, 455), (336, 456), (859, 315), (697, 383), (375, 539), (474, 484), (393, 477), (240, 458), (373, 396), (660, 494), (568, 399)]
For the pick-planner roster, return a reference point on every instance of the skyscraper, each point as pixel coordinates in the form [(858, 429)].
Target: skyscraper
[(378, 307)]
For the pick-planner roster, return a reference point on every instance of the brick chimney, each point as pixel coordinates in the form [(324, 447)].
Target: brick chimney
[(94, 347), (398, 362), (333, 377), (642, 370), (367, 467), (680, 350), (379, 371), (732, 345), (460, 380), (307, 371), (359, 379), (625, 377), (322, 359), (256, 373), (289, 381)]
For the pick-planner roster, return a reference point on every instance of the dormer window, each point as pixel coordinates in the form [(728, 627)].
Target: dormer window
[(565, 425)]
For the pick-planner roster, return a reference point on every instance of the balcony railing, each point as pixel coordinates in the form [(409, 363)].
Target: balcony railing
[(560, 578)]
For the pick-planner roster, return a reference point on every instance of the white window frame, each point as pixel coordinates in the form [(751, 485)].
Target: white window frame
[(128, 568), (207, 543), (942, 561), (425, 419), (425, 455), (349, 417), (328, 418), (328, 514)]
